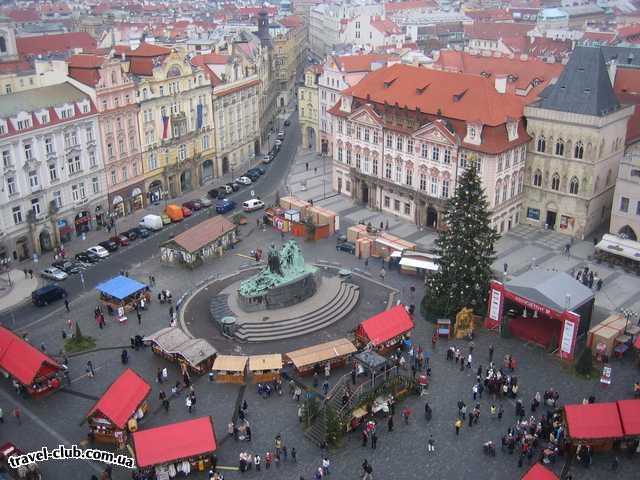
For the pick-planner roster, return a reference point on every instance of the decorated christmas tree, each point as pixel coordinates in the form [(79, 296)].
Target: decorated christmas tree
[(466, 252)]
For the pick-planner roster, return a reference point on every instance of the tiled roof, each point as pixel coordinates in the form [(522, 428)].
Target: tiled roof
[(360, 63), (85, 61), (292, 21), (23, 15), (58, 43), (386, 26), (149, 50), (393, 7), (203, 234), (627, 88), (629, 31), (584, 86), (607, 37), (211, 59), (494, 31), (15, 67)]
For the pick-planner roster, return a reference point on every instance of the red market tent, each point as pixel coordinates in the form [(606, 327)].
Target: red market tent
[(538, 472), (122, 398), (176, 441), (22, 361), (630, 417), (386, 325), (595, 421)]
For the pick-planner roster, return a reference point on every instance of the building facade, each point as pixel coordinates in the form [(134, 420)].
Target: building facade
[(53, 173), (578, 131), (308, 102), (403, 136), (625, 212)]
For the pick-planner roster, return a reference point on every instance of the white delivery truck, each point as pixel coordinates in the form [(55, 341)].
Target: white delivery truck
[(152, 222)]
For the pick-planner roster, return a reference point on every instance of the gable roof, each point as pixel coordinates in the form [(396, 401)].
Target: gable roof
[(386, 325), (202, 234), (386, 26), (360, 63), (211, 59), (22, 360), (494, 31), (58, 43), (149, 50), (584, 86)]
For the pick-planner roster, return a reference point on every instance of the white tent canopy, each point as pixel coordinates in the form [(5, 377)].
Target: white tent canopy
[(619, 246)]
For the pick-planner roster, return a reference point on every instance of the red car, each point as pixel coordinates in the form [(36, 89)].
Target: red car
[(121, 240), (193, 205), (186, 212)]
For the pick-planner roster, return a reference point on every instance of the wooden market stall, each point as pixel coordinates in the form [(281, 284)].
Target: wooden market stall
[(177, 448), (539, 472), (122, 292), (36, 372), (386, 330), (596, 424), (196, 355), (119, 409), (629, 411), (230, 368), (30, 471), (265, 368), (335, 352)]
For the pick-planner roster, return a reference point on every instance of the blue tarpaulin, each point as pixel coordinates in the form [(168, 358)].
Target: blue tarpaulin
[(120, 287)]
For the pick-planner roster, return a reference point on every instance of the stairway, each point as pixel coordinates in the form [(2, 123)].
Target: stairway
[(219, 307), (318, 431), (263, 331)]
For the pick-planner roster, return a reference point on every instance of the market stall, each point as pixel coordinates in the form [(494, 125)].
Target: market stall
[(386, 330), (182, 447), (539, 472), (418, 263), (196, 355), (230, 368), (37, 373), (629, 411), (23, 472), (335, 353), (265, 368), (121, 294), (596, 424), (205, 241), (119, 409), (544, 307), (619, 251)]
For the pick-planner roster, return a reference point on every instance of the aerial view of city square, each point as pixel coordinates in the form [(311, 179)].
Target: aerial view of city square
[(315, 240)]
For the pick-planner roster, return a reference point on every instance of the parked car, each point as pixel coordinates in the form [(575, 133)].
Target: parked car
[(99, 251), (193, 205), (109, 245), (53, 273), (225, 205), (87, 258), (346, 247), (166, 220), (260, 169), (235, 186), (120, 239), (252, 205), (281, 135), (141, 232), (228, 188), (205, 202), (131, 235), (244, 180), (277, 143), (186, 212), (68, 266), (175, 212), (45, 295), (213, 193), (267, 159), (151, 222), (287, 123), (252, 175)]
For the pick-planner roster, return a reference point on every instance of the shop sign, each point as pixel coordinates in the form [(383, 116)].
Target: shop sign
[(494, 310), (606, 375), (567, 337), (533, 213)]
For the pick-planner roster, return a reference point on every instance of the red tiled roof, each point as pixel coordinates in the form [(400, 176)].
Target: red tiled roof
[(122, 398), (627, 81), (629, 31), (292, 21), (85, 61), (499, 14), (607, 37), (23, 15), (360, 63), (141, 66), (393, 7), (542, 46), (494, 31), (386, 26), (203, 234), (59, 43), (149, 50), (627, 88), (211, 59), (15, 67)]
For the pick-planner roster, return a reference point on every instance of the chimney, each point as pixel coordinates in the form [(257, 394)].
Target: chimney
[(613, 69), (500, 83)]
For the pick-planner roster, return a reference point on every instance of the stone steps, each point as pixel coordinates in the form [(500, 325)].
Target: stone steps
[(339, 306), (219, 307)]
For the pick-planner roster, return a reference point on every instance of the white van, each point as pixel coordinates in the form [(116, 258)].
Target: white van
[(253, 204), (152, 222)]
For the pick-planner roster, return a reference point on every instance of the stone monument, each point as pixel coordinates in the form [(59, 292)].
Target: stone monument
[(284, 281)]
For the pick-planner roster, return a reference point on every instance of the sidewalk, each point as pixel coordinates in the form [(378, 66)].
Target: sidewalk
[(19, 290)]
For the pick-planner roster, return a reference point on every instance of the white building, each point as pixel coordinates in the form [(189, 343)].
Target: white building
[(52, 169), (371, 32)]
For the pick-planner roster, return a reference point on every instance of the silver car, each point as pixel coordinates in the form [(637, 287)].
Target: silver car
[(53, 273)]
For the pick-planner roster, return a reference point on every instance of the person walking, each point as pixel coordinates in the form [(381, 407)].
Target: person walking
[(66, 305), (139, 316), (294, 455), (326, 464), (374, 440), (188, 403), (390, 423), (431, 444), (382, 273), (490, 353), (90, 369), (458, 425), (18, 414)]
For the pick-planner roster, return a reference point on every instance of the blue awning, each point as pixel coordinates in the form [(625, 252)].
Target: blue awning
[(121, 287)]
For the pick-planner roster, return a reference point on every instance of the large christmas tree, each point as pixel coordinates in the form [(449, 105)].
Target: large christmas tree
[(466, 252)]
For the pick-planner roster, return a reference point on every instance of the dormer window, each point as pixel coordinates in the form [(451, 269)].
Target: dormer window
[(24, 124), (44, 118), (512, 130), (66, 113), (474, 133)]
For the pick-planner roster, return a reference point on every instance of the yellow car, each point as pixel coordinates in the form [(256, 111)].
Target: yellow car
[(165, 219)]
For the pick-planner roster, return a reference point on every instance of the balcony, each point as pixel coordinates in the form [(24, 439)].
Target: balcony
[(81, 202), (36, 188)]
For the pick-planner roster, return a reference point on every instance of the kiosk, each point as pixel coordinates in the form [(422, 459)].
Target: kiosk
[(386, 330), (265, 368), (596, 424), (122, 293), (230, 368), (335, 353), (196, 355)]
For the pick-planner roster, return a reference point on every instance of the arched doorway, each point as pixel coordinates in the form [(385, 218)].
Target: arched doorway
[(207, 171), (256, 147), (432, 217), (117, 206), (136, 199), (185, 181), (282, 102), (82, 222), (365, 193), (225, 165), (311, 138), (325, 147), (45, 241), (628, 233), (155, 191), (22, 249)]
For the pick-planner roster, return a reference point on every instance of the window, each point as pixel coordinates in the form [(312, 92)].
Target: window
[(463, 159), (478, 164), (349, 129), (408, 178), (24, 124), (57, 199), (114, 178), (89, 132), (375, 136), (624, 204), (398, 178), (92, 160), (53, 172), (574, 186), (17, 215), (48, 145), (73, 164), (152, 161), (424, 151), (387, 171), (374, 165), (110, 150), (121, 147), (396, 205), (182, 152), (505, 190), (34, 181), (499, 166), (555, 182), (367, 164), (387, 202), (435, 153), (95, 185), (347, 186), (507, 159), (542, 144), (35, 206), (560, 147), (513, 186), (434, 186), (6, 158), (445, 189), (28, 152), (496, 200), (447, 156), (340, 154), (423, 182), (389, 141), (340, 125), (11, 186), (410, 145), (132, 142), (135, 169), (348, 157), (578, 151), (399, 143), (520, 183), (358, 160), (407, 208), (125, 174), (537, 179), (75, 193), (7, 89), (358, 132), (366, 134)]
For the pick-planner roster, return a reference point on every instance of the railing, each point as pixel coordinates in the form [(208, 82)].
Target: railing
[(367, 387)]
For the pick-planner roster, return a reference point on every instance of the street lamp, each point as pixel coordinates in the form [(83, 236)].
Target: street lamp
[(629, 315)]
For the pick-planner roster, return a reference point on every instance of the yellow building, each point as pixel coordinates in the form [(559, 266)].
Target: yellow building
[(308, 108), (175, 121)]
